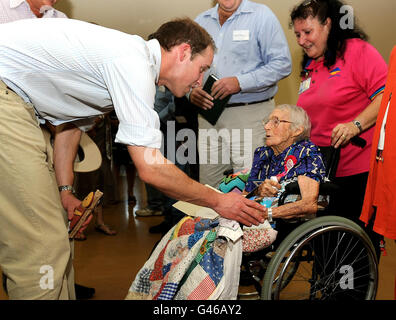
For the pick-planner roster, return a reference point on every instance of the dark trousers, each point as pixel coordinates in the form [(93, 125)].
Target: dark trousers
[(348, 203)]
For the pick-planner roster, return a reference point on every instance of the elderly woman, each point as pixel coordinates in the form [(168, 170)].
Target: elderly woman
[(343, 78), (287, 156)]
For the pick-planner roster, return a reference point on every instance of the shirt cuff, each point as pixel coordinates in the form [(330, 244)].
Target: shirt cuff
[(246, 82), (139, 136)]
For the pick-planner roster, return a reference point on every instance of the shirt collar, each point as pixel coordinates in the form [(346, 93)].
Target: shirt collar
[(244, 7), (16, 3), (155, 56)]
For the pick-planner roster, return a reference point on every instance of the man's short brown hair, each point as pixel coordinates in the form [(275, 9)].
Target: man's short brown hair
[(183, 30)]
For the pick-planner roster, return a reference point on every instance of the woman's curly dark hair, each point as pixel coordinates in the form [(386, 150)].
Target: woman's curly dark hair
[(336, 42)]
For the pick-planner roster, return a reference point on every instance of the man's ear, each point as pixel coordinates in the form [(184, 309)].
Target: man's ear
[(184, 51)]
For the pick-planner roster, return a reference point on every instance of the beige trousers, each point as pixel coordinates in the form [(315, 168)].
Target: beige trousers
[(35, 252), (230, 144)]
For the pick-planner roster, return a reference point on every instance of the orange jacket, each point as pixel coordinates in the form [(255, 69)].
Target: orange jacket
[(381, 185)]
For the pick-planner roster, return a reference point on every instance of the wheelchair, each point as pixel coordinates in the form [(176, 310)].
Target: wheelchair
[(326, 257)]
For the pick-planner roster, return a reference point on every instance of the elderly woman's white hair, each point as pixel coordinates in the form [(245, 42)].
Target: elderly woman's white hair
[(299, 119)]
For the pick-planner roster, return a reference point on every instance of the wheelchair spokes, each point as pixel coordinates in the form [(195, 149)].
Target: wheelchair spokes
[(323, 262)]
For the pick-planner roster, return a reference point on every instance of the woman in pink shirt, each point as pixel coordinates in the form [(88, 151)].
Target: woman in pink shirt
[(343, 79)]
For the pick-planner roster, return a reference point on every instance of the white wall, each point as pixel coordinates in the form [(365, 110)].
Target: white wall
[(377, 19)]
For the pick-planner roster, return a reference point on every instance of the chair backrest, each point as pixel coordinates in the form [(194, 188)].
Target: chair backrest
[(331, 157)]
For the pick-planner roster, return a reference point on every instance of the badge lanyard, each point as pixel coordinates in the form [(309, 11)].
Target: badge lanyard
[(306, 83), (381, 141)]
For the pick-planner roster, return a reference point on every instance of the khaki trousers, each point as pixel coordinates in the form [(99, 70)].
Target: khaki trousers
[(231, 142), (35, 252)]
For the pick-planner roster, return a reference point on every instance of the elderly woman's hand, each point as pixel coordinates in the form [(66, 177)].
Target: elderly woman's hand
[(269, 188)]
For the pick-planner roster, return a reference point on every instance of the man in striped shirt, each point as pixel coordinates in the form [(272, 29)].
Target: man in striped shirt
[(67, 72)]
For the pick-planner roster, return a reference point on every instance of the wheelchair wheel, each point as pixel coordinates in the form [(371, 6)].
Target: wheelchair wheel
[(327, 258)]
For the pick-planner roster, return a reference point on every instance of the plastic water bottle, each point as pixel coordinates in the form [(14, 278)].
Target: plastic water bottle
[(267, 202)]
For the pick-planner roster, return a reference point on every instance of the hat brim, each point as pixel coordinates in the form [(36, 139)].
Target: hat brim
[(92, 157)]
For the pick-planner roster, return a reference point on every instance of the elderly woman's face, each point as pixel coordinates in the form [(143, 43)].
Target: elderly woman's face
[(312, 36), (278, 130)]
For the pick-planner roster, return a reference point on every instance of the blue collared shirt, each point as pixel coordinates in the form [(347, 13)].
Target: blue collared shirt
[(251, 46)]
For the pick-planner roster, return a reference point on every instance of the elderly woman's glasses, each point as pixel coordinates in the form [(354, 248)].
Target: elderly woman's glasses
[(306, 3), (274, 121)]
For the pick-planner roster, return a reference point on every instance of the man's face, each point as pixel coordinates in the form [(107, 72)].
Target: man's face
[(229, 5), (35, 5), (190, 71)]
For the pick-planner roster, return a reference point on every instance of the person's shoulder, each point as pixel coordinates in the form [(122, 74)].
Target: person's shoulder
[(256, 5), (307, 146), (60, 14), (257, 8), (355, 44), (206, 14), (262, 14), (262, 151), (357, 49), (358, 46)]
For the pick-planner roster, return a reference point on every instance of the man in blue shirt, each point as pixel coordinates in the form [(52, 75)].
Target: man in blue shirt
[(252, 56)]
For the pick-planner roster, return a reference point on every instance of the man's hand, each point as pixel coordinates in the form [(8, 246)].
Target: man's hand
[(71, 203), (236, 207), (201, 98), (220, 89), (224, 87)]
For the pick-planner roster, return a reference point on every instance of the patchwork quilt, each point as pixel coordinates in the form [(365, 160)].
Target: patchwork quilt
[(188, 263)]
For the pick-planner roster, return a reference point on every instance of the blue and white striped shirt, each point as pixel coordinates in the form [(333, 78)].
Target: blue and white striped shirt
[(74, 71)]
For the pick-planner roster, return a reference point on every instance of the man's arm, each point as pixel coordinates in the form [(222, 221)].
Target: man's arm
[(67, 138), (156, 170)]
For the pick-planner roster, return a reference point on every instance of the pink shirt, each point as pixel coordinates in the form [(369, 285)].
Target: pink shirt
[(339, 95)]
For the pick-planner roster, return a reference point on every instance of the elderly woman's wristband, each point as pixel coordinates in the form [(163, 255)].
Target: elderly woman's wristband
[(269, 215)]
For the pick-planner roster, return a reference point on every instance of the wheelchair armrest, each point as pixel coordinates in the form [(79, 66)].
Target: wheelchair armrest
[(291, 188), (328, 188), (325, 189)]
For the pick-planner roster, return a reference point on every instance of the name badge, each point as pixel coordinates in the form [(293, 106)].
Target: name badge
[(240, 35), (304, 86)]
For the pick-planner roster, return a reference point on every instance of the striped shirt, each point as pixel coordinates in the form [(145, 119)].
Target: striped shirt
[(74, 71)]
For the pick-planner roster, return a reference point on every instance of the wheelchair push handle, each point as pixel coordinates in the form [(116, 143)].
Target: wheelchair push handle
[(358, 141)]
